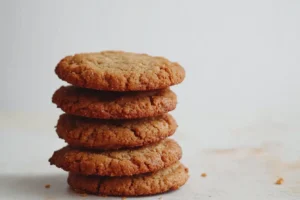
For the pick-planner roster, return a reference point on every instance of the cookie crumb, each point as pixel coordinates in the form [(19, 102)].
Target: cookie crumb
[(203, 174), (83, 194), (47, 186), (123, 198), (279, 181)]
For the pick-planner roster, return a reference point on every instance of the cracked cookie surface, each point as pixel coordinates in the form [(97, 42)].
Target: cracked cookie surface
[(119, 71), (170, 178), (114, 134), (114, 105), (119, 162)]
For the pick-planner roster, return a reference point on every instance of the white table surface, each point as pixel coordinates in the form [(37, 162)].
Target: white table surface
[(242, 159)]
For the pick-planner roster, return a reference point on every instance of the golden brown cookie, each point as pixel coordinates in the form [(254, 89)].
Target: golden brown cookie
[(119, 71), (120, 162), (114, 134), (170, 178), (114, 105)]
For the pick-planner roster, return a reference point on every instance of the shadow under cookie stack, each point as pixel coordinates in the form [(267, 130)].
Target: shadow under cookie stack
[(116, 124)]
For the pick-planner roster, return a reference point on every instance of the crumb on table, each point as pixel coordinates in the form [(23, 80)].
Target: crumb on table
[(123, 198), (47, 186), (83, 194), (279, 181), (203, 174)]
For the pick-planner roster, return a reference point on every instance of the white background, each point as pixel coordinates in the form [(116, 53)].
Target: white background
[(242, 62)]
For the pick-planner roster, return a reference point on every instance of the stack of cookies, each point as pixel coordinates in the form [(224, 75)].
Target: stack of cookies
[(116, 124)]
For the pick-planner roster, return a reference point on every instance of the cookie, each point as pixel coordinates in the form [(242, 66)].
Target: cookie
[(114, 105), (114, 134), (170, 178), (119, 71), (118, 163)]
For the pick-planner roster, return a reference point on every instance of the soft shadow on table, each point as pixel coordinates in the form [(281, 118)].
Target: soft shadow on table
[(14, 186)]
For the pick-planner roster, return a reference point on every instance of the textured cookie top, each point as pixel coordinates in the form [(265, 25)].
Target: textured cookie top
[(119, 71), (114, 134), (118, 163), (170, 178), (114, 105)]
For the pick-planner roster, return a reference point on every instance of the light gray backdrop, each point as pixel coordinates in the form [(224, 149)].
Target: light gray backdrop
[(242, 58)]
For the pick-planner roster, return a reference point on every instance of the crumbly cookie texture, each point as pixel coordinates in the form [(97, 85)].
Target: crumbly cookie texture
[(114, 105), (114, 134), (170, 178), (118, 163), (119, 71)]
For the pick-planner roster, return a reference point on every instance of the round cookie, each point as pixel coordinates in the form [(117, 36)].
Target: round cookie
[(118, 163), (119, 71), (170, 178), (114, 105), (114, 134)]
